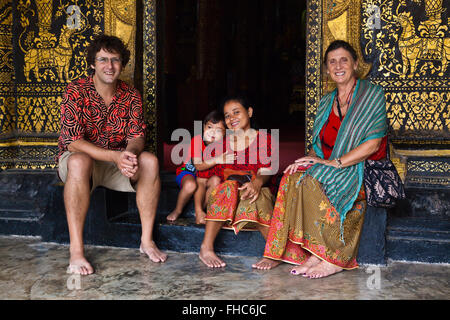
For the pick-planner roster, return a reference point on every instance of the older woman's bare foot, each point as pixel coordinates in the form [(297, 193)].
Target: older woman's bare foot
[(210, 258), (153, 253), (79, 265), (302, 269), (173, 215), (323, 269), (266, 264)]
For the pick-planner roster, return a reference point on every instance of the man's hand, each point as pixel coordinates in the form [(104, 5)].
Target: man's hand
[(127, 163)]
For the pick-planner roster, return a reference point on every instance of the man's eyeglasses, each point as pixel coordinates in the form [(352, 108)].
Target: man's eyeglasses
[(104, 60)]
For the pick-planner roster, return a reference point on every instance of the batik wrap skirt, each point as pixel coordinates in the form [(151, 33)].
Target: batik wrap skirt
[(224, 204), (304, 222)]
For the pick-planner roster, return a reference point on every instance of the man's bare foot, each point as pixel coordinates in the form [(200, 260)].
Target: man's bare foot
[(79, 265), (173, 215), (266, 264), (302, 269), (210, 258), (200, 217), (321, 270), (152, 251)]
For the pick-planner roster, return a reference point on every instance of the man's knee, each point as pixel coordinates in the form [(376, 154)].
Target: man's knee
[(149, 161), (79, 164)]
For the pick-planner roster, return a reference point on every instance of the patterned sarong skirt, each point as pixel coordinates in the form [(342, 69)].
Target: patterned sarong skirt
[(304, 222), (224, 204)]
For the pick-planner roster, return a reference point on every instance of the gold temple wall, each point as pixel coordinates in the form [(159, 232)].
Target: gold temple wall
[(404, 46), (42, 48)]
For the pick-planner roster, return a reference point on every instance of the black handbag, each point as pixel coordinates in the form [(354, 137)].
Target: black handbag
[(241, 176), (241, 179), (382, 183)]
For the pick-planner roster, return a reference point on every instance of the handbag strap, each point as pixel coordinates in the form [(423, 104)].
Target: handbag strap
[(388, 156)]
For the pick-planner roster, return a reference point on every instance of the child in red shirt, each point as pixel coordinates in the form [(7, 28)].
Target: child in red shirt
[(198, 176)]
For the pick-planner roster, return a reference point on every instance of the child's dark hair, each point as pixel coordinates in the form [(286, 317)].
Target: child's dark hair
[(215, 117), (107, 43)]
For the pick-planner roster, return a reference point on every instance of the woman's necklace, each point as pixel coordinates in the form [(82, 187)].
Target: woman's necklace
[(347, 103)]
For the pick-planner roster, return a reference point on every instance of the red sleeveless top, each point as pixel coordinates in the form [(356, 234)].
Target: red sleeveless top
[(329, 133)]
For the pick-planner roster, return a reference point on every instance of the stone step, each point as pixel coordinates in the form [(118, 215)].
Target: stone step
[(24, 199), (421, 239), (184, 235)]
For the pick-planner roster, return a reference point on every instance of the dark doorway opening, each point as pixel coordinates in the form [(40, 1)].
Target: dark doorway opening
[(211, 48)]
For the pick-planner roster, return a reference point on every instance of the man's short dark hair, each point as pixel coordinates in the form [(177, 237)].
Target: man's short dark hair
[(107, 43)]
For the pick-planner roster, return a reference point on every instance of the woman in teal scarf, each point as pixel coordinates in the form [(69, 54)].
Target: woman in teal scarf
[(320, 206)]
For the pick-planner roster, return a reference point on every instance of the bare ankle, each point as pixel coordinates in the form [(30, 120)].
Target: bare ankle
[(76, 253), (206, 247)]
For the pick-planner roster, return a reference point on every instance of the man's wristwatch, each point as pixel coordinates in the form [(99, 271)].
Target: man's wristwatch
[(339, 163)]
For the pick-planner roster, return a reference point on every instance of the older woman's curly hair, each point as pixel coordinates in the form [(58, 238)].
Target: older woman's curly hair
[(107, 43)]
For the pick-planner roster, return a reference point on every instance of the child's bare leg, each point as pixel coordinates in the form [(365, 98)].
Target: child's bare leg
[(188, 187), (199, 198)]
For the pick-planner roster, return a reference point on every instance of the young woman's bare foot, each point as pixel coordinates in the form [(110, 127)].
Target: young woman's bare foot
[(200, 216), (266, 264), (153, 253), (79, 265), (210, 258), (323, 269), (173, 215), (302, 269)]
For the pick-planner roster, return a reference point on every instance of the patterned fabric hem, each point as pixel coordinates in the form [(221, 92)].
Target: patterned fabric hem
[(304, 246), (238, 226)]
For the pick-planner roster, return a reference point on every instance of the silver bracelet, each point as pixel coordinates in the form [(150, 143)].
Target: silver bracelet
[(339, 163)]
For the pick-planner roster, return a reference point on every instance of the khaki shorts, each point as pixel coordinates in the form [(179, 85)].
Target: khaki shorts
[(104, 174)]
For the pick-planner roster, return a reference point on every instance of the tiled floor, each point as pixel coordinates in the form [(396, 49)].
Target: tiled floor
[(31, 269)]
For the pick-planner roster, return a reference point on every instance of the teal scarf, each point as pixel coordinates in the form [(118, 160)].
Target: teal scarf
[(365, 120)]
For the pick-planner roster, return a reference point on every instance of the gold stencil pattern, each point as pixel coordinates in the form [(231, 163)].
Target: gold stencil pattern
[(38, 114), (411, 63), (435, 167), (418, 111), (7, 100), (313, 66), (149, 94), (120, 21)]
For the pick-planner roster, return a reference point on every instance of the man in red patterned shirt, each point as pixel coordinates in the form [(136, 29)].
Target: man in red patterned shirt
[(102, 143)]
